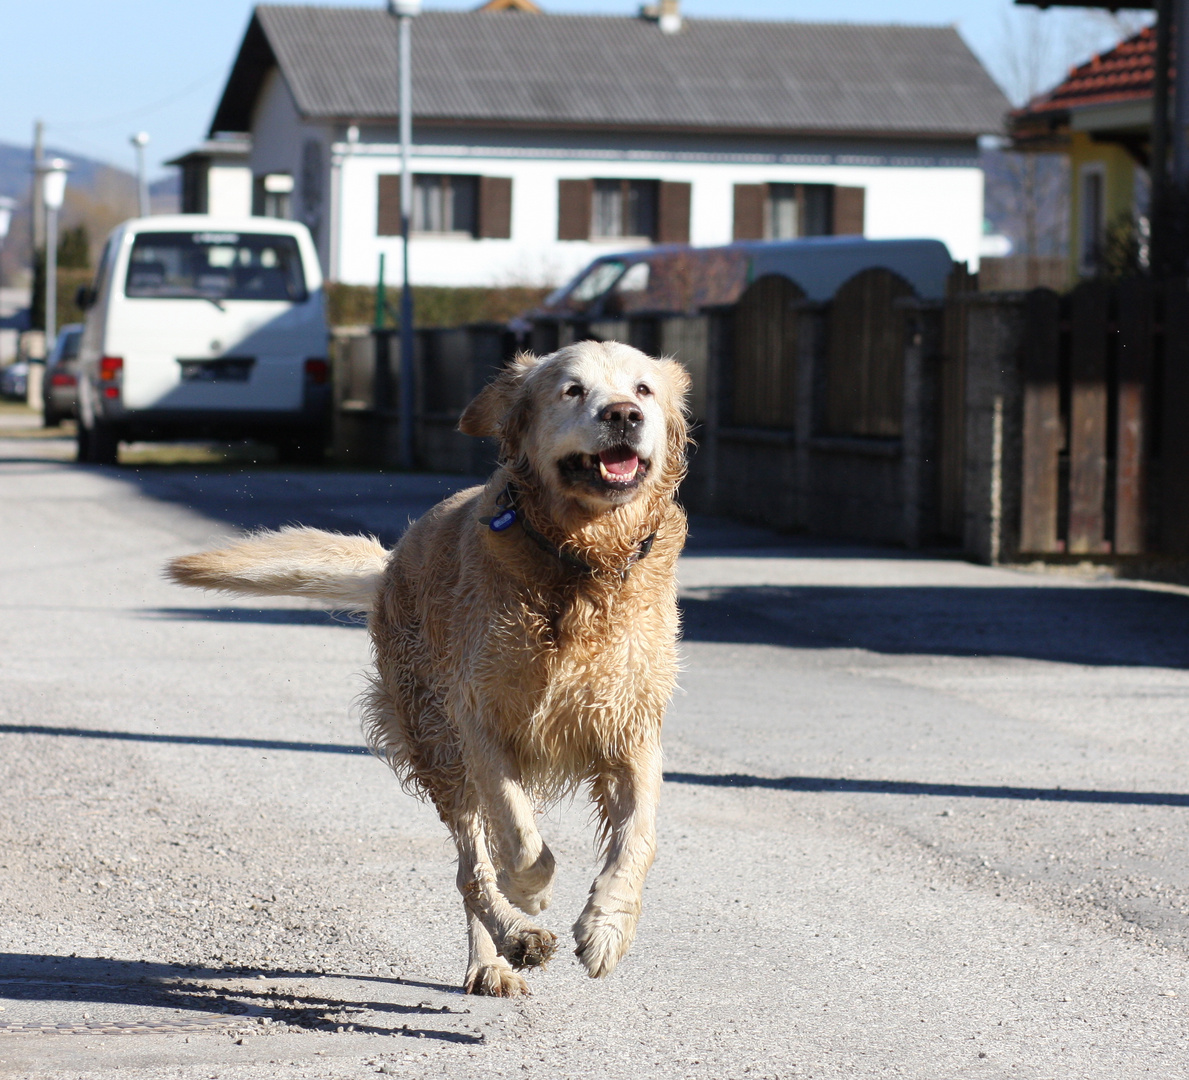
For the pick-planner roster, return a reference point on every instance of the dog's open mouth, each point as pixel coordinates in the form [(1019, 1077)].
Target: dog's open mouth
[(616, 469)]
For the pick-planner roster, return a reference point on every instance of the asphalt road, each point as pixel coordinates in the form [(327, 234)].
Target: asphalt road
[(921, 818)]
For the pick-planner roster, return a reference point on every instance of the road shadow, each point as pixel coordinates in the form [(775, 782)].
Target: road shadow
[(375, 503), (193, 992), (819, 784), (1099, 626), (263, 616), (181, 740)]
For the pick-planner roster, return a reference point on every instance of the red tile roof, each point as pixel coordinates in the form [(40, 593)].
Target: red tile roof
[(1124, 73)]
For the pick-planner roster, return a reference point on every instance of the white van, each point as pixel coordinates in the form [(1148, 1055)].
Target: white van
[(204, 327)]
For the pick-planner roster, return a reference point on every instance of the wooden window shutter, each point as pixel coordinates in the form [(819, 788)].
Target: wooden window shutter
[(573, 209), (749, 211), (848, 210), (388, 205), (495, 207), (673, 213)]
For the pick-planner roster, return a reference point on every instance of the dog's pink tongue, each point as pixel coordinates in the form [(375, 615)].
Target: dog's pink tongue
[(620, 462)]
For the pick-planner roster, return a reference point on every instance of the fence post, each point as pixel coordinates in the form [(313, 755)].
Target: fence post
[(1174, 448), (1041, 423), (1087, 419), (994, 331), (1134, 401), (922, 332)]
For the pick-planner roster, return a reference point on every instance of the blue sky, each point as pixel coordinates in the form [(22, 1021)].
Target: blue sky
[(97, 72)]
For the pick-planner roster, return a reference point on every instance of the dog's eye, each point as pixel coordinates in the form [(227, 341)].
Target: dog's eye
[(574, 390), (643, 390)]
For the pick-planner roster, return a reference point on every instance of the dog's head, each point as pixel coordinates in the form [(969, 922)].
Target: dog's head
[(599, 423)]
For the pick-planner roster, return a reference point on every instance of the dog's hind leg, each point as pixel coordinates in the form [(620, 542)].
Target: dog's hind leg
[(627, 798), (513, 936)]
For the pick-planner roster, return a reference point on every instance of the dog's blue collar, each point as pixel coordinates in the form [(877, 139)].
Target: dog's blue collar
[(506, 516)]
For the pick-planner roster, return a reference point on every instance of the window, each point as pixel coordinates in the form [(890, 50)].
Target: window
[(789, 211), (447, 205), (616, 209), (215, 266), (1091, 218), (623, 208), (782, 221), (444, 204), (273, 196), (793, 210)]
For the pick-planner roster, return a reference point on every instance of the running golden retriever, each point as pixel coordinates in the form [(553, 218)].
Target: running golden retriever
[(524, 636)]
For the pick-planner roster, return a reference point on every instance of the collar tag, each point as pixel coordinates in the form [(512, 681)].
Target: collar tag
[(504, 520)]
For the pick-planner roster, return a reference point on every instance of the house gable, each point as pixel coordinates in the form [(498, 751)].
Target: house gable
[(621, 73)]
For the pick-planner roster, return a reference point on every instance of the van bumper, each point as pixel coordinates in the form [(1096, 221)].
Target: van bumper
[(163, 425)]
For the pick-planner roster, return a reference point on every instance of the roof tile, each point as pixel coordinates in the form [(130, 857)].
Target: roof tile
[(500, 67)]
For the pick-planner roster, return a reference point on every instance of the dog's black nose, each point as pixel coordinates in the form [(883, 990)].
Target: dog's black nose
[(625, 416)]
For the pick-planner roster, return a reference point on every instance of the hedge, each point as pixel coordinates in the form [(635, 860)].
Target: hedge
[(438, 306)]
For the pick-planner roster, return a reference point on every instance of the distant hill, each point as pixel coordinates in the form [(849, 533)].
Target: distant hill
[(16, 163), (98, 195)]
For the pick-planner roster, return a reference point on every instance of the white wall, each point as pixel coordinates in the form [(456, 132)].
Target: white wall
[(913, 197), (229, 190), (277, 129)]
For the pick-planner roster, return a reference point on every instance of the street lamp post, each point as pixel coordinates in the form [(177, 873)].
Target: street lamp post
[(7, 206), (405, 10), (140, 140), (53, 191)]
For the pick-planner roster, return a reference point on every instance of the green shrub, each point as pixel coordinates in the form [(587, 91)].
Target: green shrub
[(433, 305)]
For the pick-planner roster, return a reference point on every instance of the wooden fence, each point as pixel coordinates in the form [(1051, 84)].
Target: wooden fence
[(1105, 420), (1016, 425)]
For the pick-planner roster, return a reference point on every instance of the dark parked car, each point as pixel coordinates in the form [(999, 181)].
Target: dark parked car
[(14, 380), (59, 388)]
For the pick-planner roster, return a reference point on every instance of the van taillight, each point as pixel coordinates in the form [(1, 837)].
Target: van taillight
[(110, 368), (317, 372), (62, 378)]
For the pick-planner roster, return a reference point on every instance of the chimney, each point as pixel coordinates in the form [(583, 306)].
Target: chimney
[(666, 14)]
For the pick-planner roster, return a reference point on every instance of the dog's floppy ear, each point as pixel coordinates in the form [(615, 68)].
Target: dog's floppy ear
[(487, 414), (678, 378)]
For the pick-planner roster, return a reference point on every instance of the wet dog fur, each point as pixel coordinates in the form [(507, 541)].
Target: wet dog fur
[(514, 667)]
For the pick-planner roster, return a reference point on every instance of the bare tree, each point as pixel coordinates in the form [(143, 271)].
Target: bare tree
[(1028, 194)]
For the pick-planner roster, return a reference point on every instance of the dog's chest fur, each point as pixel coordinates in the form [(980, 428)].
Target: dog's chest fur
[(564, 671), (599, 663)]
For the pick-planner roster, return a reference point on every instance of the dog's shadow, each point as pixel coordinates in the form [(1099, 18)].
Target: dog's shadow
[(265, 616), (200, 993)]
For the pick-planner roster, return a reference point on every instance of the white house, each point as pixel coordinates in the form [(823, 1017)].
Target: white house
[(541, 141)]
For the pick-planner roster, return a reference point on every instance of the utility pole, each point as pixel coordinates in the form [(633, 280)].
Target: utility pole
[(36, 201), (405, 10), (140, 140)]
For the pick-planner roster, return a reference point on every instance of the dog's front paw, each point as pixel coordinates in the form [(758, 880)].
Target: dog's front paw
[(530, 889), (530, 897), (603, 938), (531, 947), (495, 980)]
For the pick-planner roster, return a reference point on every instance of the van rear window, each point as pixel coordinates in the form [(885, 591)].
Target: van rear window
[(215, 266)]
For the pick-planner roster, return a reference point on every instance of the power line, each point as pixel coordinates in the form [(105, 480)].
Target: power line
[(143, 111)]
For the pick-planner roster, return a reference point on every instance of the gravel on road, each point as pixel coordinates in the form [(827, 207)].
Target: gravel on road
[(921, 818)]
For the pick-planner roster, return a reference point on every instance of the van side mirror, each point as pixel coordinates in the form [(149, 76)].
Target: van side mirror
[(84, 298)]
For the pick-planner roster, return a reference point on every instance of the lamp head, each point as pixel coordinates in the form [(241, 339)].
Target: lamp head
[(140, 139), (53, 183), (7, 206), (404, 8)]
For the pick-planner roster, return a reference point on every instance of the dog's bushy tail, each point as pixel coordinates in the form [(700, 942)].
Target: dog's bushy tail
[(343, 572)]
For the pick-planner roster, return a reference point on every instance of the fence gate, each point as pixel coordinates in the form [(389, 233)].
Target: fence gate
[(865, 366), (764, 371)]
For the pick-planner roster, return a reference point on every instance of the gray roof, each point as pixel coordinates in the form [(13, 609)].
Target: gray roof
[(615, 72)]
